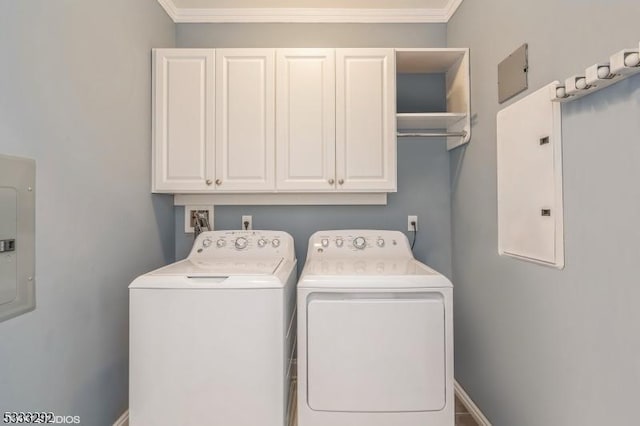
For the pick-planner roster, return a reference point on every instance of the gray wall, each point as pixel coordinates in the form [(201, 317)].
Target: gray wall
[(311, 35), (423, 166), (75, 85), (423, 189), (534, 345)]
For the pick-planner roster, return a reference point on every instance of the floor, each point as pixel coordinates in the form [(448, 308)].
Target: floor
[(463, 418)]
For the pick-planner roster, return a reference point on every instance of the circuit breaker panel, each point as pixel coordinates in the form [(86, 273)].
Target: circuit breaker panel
[(17, 236), (530, 202)]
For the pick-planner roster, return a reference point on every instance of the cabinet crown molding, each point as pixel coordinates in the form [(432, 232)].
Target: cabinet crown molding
[(310, 15)]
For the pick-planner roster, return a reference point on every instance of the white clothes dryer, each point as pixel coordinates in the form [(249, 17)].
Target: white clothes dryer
[(212, 336), (375, 334)]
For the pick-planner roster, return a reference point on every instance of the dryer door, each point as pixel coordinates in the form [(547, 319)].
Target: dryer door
[(376, 352)]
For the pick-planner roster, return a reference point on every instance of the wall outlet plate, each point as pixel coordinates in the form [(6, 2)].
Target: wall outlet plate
[(412, 218), (248, 219), (189, 216)]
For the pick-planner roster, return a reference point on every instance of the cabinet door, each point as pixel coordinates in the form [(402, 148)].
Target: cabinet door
[(245, 119), (183, 129), (305, 125), (365, 120)]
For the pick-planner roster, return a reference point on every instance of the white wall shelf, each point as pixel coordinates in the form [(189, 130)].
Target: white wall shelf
[(455, 120), (283, 199), (428, 120)]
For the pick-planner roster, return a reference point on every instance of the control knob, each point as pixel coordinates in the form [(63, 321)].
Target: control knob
[(380, 242), (324, 242), (241, 243), (275, 242), (262, 242), (221, 243), (360, 243), (339, 242), (206, 242)]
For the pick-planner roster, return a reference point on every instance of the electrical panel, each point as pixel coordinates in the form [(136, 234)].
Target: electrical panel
[(17, 236), (530, 207)]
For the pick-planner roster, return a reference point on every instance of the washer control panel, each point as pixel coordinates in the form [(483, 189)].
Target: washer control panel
[(359, 242), (249, 243)]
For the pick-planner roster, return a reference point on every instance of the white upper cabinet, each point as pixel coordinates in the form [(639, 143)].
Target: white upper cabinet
[(365, 120), (267, 120), (183, 130), (305, 123), (245, 119)]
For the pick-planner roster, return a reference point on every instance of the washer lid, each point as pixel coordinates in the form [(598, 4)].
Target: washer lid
[(220, 268), (220, 274)]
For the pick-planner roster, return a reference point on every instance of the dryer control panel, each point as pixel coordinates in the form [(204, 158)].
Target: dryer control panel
[(355, 243), (243, 243)]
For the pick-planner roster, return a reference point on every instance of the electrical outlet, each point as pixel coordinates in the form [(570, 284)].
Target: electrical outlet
[(247, 223), (409, 225)]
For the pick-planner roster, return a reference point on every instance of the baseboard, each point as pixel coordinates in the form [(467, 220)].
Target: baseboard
[(123, 420), (471, 406)]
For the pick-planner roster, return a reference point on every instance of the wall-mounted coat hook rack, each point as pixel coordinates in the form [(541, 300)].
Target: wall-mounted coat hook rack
[(621, 65)]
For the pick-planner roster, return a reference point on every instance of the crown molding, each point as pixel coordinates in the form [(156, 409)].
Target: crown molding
[(170, 7), (451, 8), (309, 15)]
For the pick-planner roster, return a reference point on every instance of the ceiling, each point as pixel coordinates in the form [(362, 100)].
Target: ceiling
[(382, 11)]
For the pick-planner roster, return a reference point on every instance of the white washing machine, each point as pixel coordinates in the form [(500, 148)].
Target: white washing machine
[(375, 334), (212, 336)]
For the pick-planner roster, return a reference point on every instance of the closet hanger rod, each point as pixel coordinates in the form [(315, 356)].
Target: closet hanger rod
[(431, 134)]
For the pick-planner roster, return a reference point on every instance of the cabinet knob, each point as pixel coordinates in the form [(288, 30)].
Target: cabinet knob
[(218, 181), (331, 181), (209, 181), (341, 181)]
